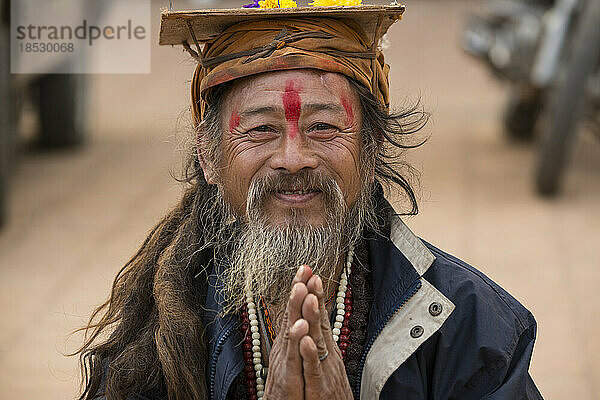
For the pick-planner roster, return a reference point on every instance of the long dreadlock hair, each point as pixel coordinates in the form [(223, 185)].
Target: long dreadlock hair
[(147, 338)]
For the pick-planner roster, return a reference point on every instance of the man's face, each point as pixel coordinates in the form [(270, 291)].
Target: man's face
[(286, 124)]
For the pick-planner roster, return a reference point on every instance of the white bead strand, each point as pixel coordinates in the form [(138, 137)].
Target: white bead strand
[(340, 304), (256, 353)]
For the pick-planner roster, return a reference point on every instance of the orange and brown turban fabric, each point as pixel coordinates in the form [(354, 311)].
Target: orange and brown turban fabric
[(253, 47)]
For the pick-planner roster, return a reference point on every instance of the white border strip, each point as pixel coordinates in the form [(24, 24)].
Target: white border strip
[(395, 344), (410, 246)]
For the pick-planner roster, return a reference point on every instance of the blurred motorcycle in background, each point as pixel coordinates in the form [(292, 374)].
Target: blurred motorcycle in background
[(549, 52)]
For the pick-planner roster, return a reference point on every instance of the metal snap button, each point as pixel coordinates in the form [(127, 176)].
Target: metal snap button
[(435, 309), (416, 331)]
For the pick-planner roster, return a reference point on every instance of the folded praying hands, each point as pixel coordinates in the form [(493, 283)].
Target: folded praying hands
[(305, 362)]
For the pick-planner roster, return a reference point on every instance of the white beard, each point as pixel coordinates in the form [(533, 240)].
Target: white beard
[(265, 258)]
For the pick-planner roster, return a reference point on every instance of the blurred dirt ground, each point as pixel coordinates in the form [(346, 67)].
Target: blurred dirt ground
[(78, 216)]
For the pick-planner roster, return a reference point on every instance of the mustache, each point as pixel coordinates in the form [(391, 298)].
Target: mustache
[(304, 180)]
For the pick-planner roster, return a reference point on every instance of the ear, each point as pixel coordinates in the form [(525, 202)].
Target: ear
[(208, 168)]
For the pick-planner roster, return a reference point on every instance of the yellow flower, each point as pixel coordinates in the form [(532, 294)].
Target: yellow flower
[(268, 4), (287, 4), (315, 3), (323, 3), (330, 3), (277, 4)]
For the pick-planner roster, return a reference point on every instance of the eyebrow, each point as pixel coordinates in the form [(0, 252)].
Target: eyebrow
[(311, 107), (323, 107), (261, 110)]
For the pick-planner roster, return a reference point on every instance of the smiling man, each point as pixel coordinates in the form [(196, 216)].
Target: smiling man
[(284, 273)]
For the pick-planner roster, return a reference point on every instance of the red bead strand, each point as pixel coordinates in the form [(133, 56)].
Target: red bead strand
[(248, 363), (344, 338)]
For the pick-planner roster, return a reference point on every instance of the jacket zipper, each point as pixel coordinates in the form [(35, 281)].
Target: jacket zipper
[(409, 294), (213, 361)]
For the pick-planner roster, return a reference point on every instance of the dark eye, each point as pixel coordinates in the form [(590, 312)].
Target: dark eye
[(262, 128), (262, 132), (323, 131), (321, 126)]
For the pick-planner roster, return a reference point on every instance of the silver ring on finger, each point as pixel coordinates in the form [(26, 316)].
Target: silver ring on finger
[(324, 356)]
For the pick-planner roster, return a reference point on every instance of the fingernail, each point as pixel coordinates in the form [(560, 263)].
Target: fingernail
[(319, 284), (315, 305), (300, 271), (296, 326)]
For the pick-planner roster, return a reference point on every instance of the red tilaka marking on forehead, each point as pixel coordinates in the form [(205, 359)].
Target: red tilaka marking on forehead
[(348, 107), (234, 121), (292, 106)]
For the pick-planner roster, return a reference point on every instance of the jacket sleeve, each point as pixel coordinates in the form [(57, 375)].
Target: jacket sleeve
[(483, 355), (481, 352), (484, 349), (517, 383)]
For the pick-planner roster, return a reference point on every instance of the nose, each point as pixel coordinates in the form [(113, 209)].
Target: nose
[(293, 154)]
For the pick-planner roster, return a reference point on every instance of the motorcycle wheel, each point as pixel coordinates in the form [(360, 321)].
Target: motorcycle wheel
[(521, 113), (566, 102)]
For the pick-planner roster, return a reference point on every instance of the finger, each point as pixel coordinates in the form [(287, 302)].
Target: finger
[(315, 286), (312, 314), (311, 366), (297, 331), (294, 306), (303, 274)]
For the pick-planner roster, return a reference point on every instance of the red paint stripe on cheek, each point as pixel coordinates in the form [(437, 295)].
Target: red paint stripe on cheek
[(349, 112), (234, 121), (292, 106)]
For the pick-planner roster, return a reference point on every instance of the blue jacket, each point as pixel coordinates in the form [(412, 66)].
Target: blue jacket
[(438, 329)]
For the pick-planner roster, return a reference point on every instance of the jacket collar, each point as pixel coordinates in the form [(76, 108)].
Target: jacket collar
[(398, 258), (401, 318)]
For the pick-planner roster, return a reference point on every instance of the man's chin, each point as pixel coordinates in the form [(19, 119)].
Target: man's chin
[(298, 219), (276, 215)]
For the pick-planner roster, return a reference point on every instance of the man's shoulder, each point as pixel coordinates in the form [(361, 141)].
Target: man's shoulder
[(483, 349), (478, 299)]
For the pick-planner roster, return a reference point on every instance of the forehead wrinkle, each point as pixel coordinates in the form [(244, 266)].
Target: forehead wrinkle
[(313, 107), (310, 108), (261, 110)]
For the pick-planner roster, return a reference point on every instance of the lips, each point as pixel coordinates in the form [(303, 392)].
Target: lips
[(295, 191), (296, 197)]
